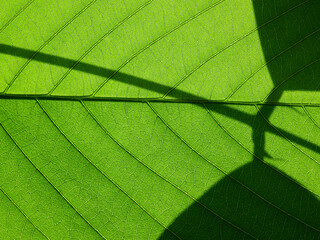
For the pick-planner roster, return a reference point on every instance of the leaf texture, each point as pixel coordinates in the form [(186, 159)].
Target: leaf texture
[(159, 119)]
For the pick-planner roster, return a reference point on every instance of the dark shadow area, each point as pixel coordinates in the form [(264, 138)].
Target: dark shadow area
[(95, 70), (249, 212), (272, 205), (142, 83), (139, 82), (87, 68), (256, 198), (290, 43), (288, 211), (300, 26)]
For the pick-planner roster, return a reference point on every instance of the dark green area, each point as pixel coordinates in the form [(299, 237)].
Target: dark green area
[(230, 199)]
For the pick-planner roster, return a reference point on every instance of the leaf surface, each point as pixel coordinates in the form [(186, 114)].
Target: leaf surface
[(159, 119)]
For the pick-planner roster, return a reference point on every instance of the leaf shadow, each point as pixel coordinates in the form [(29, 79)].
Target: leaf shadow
[(297, 210)]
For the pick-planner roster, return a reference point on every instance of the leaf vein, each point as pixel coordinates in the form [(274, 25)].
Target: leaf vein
[(97, 168), (311, 118), (224, 172), (16, 15), (257, 157), (153, 42), (269, 61), (228, 46), (45, 44), (23, 213), (288, 78), (149, 168), (48, 180), (96, 44), (285, 137), (199, 154)]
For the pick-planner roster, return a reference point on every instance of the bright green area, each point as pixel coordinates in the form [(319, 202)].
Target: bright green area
[(160, 119)]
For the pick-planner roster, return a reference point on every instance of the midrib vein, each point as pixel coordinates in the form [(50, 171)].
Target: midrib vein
[(121, 99)]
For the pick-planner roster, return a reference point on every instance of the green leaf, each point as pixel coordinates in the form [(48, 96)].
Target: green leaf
[(159, 119)]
